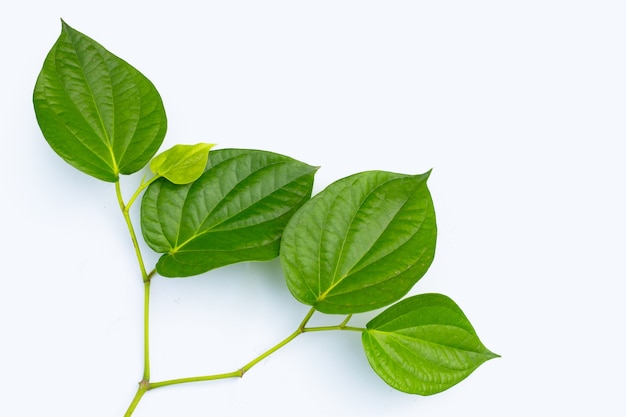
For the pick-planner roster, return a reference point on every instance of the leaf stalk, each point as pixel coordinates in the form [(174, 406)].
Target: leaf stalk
[(131, 229), (144, 385)]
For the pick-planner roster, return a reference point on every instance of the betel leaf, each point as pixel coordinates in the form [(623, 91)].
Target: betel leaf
[(423, 345), (96, 111), (236, 211), (182, 164), (361, 243)]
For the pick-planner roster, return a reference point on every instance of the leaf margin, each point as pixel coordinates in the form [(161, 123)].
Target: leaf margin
[(66, 126), (300, 282), (417, 383), (174, 261)]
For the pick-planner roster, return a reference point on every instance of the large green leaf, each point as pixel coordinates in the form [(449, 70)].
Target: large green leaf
[(423, 345), (360, 244), (96, 111), (236, 211)]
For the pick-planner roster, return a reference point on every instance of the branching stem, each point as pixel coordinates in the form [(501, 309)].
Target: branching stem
[(129, 224), (145, 385), (241, 371), (143, 388)]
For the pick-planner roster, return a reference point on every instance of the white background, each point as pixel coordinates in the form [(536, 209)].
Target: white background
[(517, 106)]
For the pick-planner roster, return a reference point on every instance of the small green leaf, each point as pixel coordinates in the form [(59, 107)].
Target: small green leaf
[(360, 244), (236, 211), (423, 345), (97, 112), (182, 164)]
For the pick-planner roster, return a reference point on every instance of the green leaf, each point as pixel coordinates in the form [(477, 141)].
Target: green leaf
[(360, 244), (182, 164), (97, 112), (236, 211), (423, 345)]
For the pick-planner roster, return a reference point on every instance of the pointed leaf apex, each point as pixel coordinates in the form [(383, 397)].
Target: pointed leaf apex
[(439, 346), (494, 355), (97, 112), (65, 26), (425, 175), (356, 269)]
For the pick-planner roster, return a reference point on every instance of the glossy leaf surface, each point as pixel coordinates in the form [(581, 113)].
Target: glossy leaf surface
[(360, 244), (236, 211), (423, 345), (96, 111), (182, 164)]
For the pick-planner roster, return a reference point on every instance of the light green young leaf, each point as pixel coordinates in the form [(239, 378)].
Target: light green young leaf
[(423, 345), (361, 243), (182, 164), (236, 211), (96, 111)]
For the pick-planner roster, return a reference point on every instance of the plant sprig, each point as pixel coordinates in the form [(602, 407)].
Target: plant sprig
[(359, 245)]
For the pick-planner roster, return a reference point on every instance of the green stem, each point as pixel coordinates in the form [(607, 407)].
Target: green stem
[(126, 213), (342, 326), (144, 385), (296, 333), (234, 374), (141, 390), (142, 187), (146, 330), (241, 371), (343, 323), (327, 328)]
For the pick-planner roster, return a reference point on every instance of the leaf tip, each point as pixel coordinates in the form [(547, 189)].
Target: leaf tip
[(493, 355), (66, 28), (423, 177)]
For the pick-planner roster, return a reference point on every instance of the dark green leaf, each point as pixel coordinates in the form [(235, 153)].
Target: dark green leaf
[(182, 164), (423, 345), (96, 111), (236, 211), (360, 244)]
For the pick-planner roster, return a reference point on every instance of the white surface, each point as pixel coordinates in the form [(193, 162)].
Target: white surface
[(517, 106)]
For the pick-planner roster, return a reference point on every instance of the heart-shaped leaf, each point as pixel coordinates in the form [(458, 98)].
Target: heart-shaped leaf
[(96, 111), (236, 211), (182, 164), (423, 345), (360, 244)]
